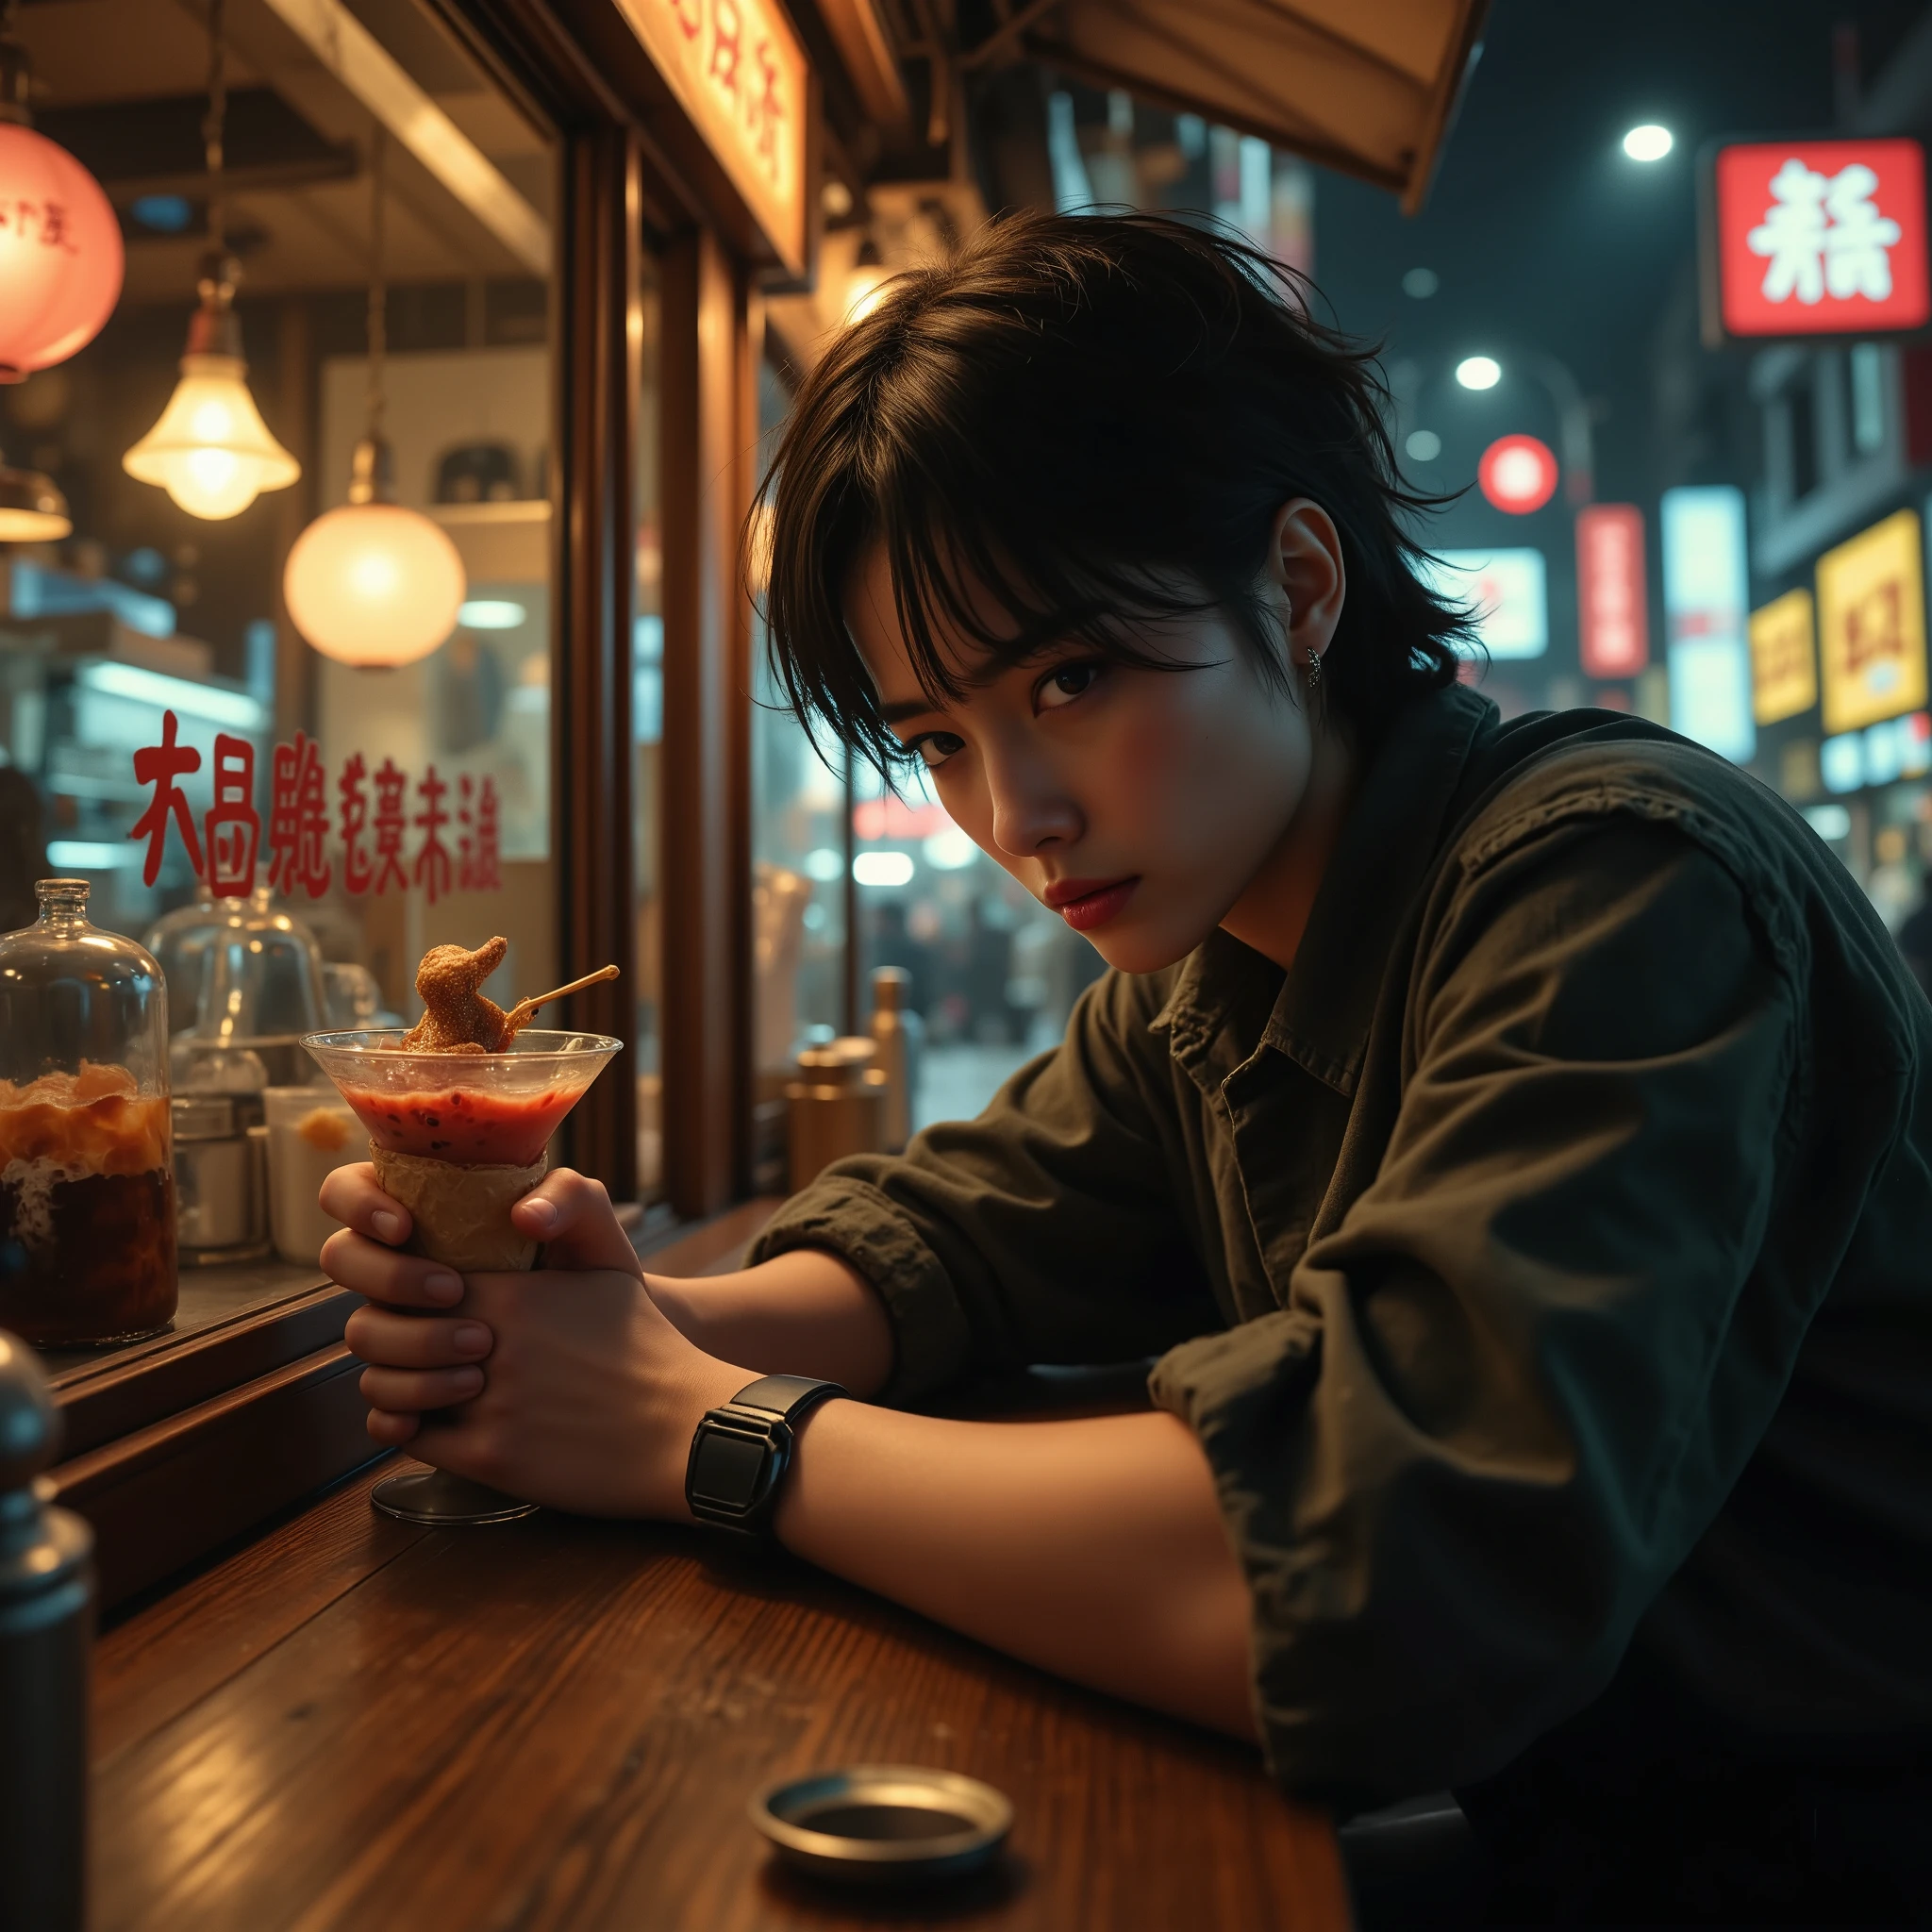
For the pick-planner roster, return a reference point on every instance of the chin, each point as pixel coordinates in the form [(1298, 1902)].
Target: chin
[(1145, 945)]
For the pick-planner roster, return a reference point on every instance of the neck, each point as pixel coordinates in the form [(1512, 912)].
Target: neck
[(1272, 911)]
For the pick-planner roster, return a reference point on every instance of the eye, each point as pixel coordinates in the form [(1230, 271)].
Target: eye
[(935, 747), (1063, 685)]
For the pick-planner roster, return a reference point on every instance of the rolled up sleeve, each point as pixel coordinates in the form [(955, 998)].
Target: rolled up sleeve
[(1513, 1385), (1047, 1230)]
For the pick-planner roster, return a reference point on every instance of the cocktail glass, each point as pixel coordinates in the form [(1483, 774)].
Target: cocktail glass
[(486, 1117)]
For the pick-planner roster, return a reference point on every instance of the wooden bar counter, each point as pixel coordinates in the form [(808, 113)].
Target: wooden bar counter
[(354, 1723)]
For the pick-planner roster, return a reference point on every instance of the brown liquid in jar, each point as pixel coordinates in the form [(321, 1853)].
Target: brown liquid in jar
[(87, 1210)]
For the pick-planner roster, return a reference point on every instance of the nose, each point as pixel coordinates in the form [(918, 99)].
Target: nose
[(1031, 808)]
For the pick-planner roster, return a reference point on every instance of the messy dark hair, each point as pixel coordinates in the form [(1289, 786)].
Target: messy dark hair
[(1081, 427)]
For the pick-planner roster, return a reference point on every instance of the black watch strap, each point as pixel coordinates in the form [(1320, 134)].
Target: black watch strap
[(739, 1452)]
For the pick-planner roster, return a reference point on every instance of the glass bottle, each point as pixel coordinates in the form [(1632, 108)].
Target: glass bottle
[(87, 1180)]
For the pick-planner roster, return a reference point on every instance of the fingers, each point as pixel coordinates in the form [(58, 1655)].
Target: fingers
[(404, 1281), (415, 1390), (392, 1431), (351, 1195), (386, 1339), (572, 1214)]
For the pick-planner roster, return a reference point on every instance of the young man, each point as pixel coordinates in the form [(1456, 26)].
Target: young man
[(1511, 1140)]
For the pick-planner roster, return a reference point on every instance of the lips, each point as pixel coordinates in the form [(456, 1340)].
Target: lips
[(1085, 903)]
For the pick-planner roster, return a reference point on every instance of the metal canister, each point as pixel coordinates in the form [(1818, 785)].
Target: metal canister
[(836, 1107), (222, 1197), (46, 1632), (899, 1033)]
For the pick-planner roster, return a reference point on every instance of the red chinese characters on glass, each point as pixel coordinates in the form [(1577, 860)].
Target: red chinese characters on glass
[(300, 825), (432, 860), (391, 819), (357, 876), (477, 852), (161, 765), (298, 820), (232, 829)]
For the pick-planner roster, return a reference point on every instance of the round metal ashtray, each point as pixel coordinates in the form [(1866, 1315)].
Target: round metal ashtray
[(884, 1823)]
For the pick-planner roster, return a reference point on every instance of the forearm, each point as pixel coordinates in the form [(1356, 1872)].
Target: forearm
[(1093, 1549), (802, 1313)]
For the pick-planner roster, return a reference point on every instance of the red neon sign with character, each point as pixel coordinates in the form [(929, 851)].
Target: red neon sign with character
[(1820, 238)]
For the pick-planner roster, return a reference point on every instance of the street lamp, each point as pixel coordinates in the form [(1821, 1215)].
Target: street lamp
[(1573, 412), (1649, 142)]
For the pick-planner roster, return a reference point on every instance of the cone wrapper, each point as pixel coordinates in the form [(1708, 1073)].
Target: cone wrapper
[(461, 1214)]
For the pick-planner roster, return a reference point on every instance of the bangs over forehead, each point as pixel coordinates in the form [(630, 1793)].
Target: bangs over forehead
[(1080, 429)]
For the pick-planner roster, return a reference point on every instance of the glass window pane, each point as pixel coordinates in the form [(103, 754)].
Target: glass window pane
[(647, 728), (993, 974), (415, 808)]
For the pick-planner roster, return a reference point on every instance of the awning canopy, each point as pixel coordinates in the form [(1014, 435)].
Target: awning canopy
[(1364, 86)]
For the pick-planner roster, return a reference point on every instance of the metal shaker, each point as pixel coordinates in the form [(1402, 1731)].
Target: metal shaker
[(899, 1033), (836, 1107), (46, 1630)]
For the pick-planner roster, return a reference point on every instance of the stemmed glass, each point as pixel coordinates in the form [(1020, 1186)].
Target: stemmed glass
[(486, 1117)]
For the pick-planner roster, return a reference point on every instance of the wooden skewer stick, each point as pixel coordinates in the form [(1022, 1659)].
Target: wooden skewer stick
[(519, 1015)]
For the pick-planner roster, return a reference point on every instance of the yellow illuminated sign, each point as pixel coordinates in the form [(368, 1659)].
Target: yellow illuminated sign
[(738, 70), (1872, 625), (1784, 665)]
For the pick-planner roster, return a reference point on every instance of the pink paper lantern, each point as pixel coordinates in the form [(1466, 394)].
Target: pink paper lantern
[(60, 255)]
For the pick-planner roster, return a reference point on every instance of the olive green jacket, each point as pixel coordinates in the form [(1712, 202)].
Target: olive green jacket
[(1545, 1262)]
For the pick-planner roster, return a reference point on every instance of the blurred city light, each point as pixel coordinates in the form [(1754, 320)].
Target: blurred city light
[(883, 868), (1424, 445), (1649, 142), (1518, 474), (1478, 372), (1421, 283), (951, 849)]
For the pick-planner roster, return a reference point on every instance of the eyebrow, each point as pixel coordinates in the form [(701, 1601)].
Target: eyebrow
[(912, 708)]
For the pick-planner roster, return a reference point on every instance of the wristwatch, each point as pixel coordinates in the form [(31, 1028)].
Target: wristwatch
[(739, 1452)]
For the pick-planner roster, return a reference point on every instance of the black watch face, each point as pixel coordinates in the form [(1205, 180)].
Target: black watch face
[(727, 1468)]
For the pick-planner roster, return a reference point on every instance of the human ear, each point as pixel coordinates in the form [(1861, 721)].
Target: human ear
[(1304, 570)]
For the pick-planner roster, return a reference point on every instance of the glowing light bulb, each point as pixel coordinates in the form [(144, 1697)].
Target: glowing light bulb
[(373, 584), (1649, 142), (210, 450), (1478, 372)]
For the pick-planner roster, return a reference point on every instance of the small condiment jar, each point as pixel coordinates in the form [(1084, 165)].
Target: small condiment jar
[(220, 1180), (836, 1107)]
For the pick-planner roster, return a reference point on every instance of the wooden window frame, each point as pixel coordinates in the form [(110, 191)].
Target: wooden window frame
[(577, 70)]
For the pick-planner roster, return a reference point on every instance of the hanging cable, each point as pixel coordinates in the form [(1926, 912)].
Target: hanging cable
[(378, 289), (212, 128)]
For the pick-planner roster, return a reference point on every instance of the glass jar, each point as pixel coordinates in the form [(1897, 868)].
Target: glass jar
[(261, 988), (86, 1182)]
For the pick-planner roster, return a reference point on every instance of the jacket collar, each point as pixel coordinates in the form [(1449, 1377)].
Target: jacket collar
[(1320, 1015)]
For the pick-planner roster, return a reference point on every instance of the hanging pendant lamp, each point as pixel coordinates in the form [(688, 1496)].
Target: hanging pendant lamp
[(373, 583), (211, 451), (33, 509), (61, 254)]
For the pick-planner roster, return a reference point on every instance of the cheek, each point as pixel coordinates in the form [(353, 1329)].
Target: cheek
[(1203, 764)]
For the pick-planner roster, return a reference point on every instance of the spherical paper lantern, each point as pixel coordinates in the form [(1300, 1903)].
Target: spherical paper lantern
[(373, 584), (61, 256)]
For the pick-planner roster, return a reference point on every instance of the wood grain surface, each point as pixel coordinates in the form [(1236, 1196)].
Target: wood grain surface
[(558, 1724)]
